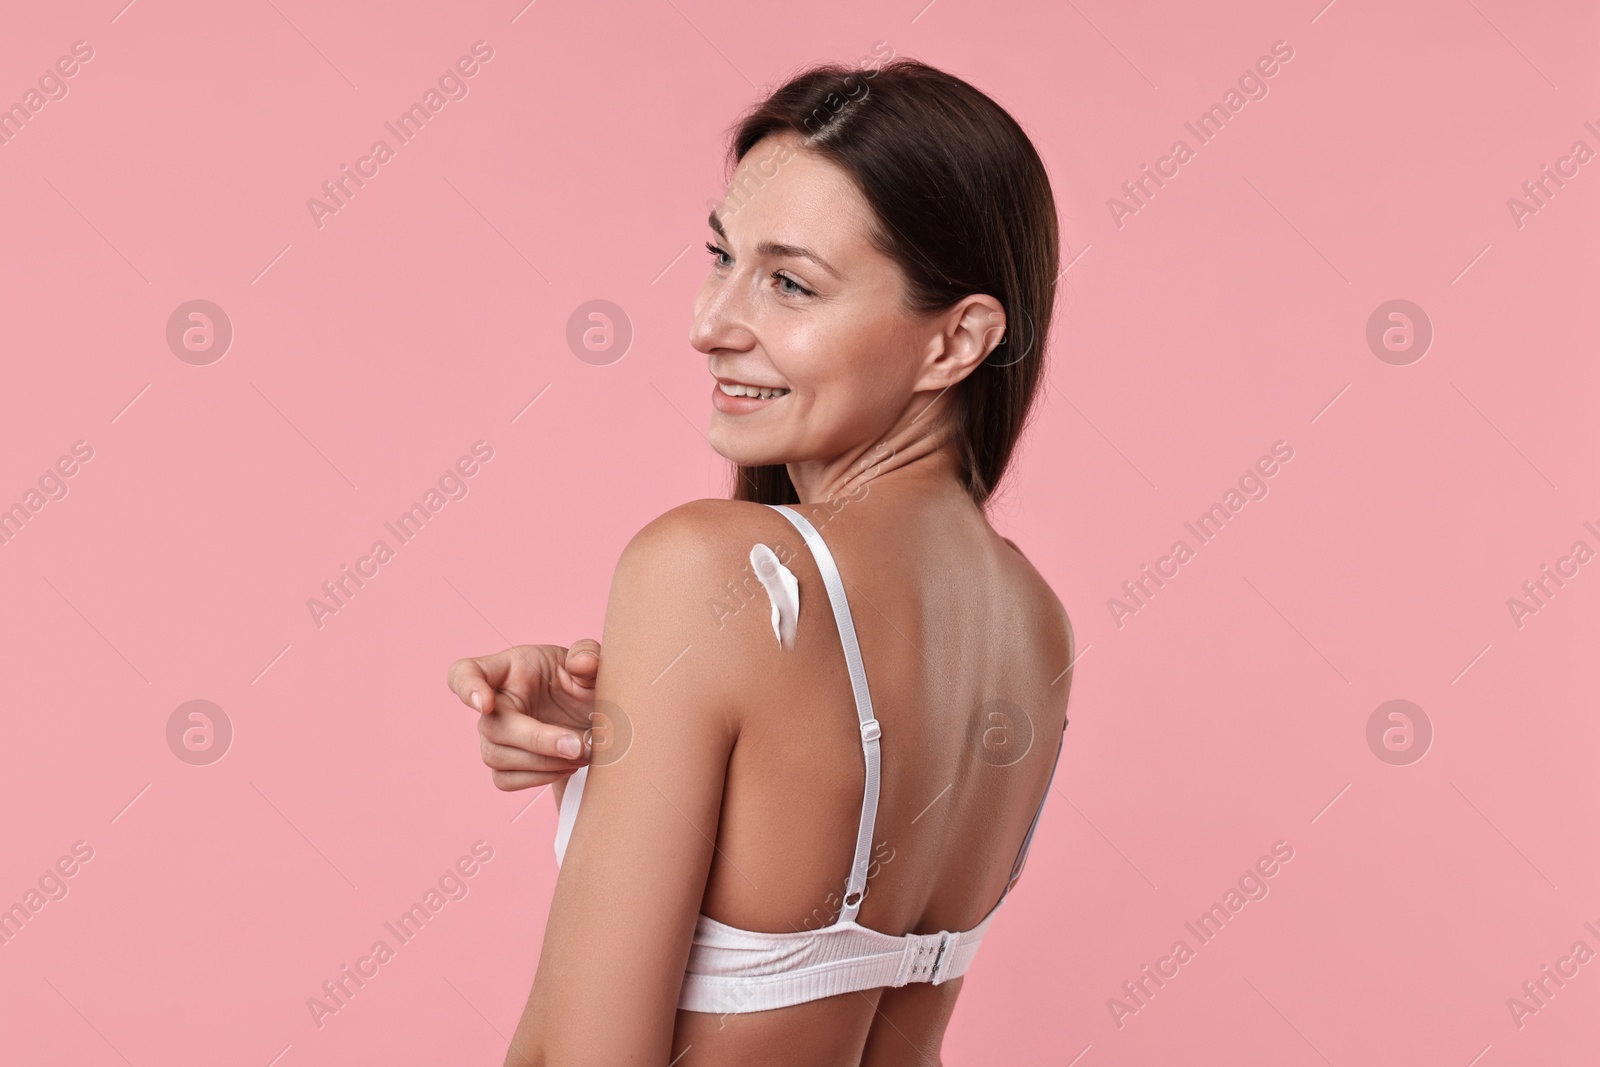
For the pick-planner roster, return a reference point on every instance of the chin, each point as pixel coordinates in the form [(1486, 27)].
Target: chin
[(743, 449)]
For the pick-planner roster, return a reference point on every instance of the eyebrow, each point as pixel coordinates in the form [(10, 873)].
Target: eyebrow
[(774, 248)]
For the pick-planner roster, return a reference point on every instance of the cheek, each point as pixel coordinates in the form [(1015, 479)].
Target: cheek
[(857, 355), (877, 366), (852, 391)]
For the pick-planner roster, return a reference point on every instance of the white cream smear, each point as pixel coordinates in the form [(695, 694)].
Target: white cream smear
[(782, 589)]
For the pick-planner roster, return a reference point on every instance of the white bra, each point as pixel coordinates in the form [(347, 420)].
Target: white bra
[(732, 970)]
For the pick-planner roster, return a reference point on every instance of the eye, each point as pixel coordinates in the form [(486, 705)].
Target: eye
[(799, 290), (717, 252)]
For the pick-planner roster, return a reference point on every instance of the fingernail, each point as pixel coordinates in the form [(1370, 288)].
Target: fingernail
[(567, 746), (477, 700)]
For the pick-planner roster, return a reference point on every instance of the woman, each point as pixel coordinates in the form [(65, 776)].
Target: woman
[(793, 777)]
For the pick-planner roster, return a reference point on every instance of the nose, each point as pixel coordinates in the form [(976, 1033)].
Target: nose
[(721, 321)]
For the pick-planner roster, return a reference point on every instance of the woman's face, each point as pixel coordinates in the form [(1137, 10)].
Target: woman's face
[(798, 302)]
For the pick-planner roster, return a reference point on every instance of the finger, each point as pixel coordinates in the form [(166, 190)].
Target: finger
[(583, 661), (475, 680), (505, 758), (530, 671), (511, 781), (532, 735), (517, 673)]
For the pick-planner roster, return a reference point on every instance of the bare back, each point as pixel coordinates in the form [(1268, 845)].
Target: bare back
[(966, 652)]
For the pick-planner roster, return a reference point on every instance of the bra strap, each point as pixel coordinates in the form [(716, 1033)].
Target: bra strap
[(870, 730), (1022, 853)]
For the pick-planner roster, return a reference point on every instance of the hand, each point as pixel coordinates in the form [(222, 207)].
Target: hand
[(535, 703)]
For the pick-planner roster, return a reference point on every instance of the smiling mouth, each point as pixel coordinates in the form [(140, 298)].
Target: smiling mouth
[(758, 392)]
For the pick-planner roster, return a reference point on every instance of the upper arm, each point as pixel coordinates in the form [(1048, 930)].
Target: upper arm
[(630, 888), (1056, 606), (1062, 644)]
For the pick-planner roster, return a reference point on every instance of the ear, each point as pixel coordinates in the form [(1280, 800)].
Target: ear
[(963, 335)]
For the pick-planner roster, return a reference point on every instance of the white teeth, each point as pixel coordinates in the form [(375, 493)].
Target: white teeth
[(750, 390)]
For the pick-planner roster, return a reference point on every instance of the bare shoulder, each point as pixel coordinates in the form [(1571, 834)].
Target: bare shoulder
[(1048, 604), (700, 534), (687, 574)]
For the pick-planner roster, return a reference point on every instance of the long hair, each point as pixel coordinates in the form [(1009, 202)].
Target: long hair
[(963, 206)]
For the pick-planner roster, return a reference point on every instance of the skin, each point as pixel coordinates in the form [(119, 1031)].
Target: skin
[(730, 777), (536, 702)]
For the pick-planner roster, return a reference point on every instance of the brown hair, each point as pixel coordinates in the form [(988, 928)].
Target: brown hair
[(964, 206)]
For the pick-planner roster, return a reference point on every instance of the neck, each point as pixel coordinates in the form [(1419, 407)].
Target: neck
[(921, 445)]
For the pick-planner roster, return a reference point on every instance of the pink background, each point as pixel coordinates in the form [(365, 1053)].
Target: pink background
[(1229, 313)]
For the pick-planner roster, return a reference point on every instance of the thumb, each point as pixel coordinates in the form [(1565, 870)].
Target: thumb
[(583, 661)]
